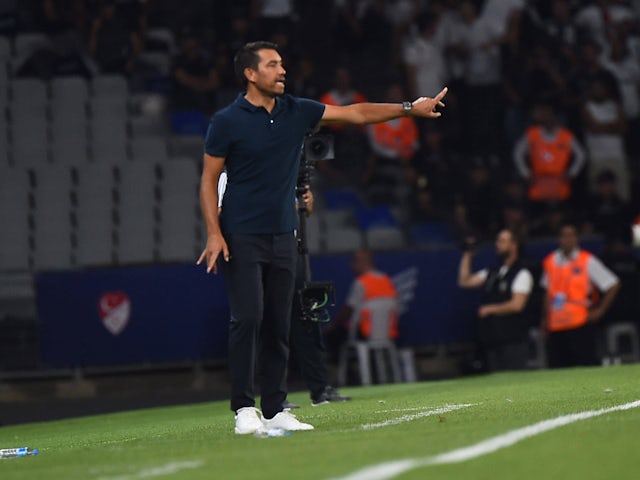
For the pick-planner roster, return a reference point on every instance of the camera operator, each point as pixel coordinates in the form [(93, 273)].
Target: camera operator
[(501, 324), (306, 341)]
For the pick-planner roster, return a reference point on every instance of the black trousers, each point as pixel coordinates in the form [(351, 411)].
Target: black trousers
[(509, 356), (307, 346), (570, 348), (259, 279)]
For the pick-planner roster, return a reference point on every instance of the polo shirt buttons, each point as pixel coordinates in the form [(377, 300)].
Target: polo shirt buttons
[(271, 121)]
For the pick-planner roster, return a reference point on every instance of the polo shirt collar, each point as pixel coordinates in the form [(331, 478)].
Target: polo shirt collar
[(246, 105)]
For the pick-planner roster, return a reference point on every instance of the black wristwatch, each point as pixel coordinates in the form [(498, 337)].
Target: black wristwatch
[(407, 106)]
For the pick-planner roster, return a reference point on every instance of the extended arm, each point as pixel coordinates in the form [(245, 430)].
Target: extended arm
[(365, 113)]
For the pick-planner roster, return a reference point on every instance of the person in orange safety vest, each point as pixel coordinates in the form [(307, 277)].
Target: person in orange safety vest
[(574, 279), (548, 156), (371, 307)]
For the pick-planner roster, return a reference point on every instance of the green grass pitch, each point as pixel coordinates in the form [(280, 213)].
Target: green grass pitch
[(197, 441)]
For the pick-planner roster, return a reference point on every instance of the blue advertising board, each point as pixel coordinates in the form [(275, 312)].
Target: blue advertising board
[(167, 313)]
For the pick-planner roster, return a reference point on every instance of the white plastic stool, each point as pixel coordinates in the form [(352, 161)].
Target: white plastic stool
[(363, 350), (408, 365), (538, 359), (615, 333)]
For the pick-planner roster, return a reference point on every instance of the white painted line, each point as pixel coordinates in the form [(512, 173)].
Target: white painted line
[(161, 470), (387, 470), (415, 416)]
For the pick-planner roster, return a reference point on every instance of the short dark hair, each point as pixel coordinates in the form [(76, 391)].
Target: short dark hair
[(247, 57)]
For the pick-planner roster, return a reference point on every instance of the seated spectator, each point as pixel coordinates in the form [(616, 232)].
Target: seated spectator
[(548, 156), (112, 43), (194, 77), (605, 126)]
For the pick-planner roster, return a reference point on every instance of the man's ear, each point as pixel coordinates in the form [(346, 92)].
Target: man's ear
[(249, 74)]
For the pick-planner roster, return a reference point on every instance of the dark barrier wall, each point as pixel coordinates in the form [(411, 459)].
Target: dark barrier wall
[(177, 312)]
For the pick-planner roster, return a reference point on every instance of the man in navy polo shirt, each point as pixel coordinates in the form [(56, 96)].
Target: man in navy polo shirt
[(258, 138)]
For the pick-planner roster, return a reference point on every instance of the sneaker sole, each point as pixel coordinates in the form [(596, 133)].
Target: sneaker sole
[(319, 404)]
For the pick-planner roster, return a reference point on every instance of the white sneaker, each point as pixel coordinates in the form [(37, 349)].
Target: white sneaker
[(285, 420), (247, 420)]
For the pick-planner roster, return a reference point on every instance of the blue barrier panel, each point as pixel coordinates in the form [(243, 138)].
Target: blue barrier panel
[(177, 312), (131, 315)]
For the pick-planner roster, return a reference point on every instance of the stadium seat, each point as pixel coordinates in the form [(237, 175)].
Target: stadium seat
[(187, 122), (27, 43), (343, 239), (29, 95), (14, 218), (378, 216), (29, 132), (68, 90), (149, 149), (136, 213), (5, 50), (383, 238), (69, 151), (342, 199), (179, 211), (94, 214), (52, 218), (432, 233), (110, 86)]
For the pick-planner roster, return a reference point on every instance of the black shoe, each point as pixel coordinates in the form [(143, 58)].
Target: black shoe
[(329, 395), (287, 405)]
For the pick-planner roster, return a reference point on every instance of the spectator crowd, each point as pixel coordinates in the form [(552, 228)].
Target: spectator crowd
[(540, 119)]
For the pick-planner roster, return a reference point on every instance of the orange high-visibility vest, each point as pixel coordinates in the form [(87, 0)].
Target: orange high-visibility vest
[(376, 286), (330, 99), (568, 292), (399, 135), (549, 164)]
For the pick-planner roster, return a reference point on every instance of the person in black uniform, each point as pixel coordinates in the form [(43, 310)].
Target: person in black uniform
[(502, 327), (258, 139), (306, 342)]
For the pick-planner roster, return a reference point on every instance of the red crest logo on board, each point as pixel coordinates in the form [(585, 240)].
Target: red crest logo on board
[(114, 309)]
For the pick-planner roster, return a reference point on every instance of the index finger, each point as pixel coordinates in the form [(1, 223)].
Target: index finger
[(441, 95)]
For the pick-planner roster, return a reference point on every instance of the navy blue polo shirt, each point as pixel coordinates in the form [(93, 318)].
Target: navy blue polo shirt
[(262, 154)]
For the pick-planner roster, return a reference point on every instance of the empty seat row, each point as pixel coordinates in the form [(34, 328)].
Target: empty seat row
[(59, 217)]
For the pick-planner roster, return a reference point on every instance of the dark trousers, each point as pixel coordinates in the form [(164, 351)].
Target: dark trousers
[(307, 346), (509, 356), (569, 348), (259, 279)]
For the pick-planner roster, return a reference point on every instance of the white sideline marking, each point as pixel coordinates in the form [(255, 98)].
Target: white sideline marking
[(415, 416), (160, 470), (387, 470)]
